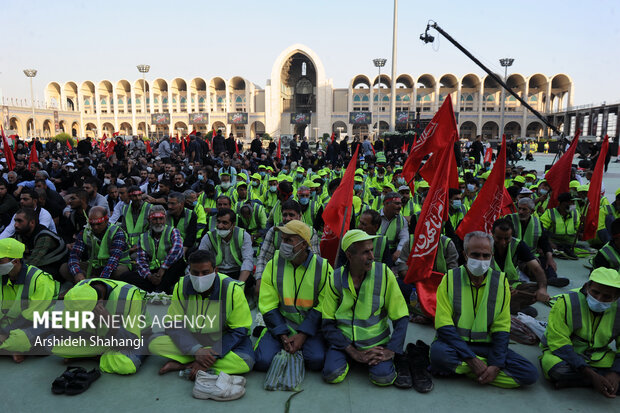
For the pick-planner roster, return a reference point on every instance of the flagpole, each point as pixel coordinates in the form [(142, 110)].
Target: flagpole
[(344, 220)]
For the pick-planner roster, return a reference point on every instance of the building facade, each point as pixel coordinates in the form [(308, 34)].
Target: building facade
[(298, 98)]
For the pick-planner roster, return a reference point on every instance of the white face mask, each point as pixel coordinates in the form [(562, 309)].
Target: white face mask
[(106, 181), (223, 233), (6, 268), (478, 267), (225, 185), (286, 251), (596, 305), (202, 283)]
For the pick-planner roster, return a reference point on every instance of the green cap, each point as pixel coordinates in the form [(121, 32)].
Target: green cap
[(82, 297), (353, 236), (574, 184), (11, 248), (606, 276), (519, 178)]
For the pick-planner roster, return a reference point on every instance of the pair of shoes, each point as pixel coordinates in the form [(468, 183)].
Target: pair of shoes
[(221, 387), (419, 362), (558, 282), (74, 380), (403, 374)]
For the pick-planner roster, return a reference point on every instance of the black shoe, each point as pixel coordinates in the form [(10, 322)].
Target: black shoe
[(529, 310), (403, 375), (558, 282), (418, 355)]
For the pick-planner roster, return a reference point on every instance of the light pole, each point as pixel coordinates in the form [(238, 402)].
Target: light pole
[(393, 89), (32, 73), (144, 69), (379, 62), (507, 62)]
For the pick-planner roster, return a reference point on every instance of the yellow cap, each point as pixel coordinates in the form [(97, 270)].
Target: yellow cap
[(82, 297), (583, 188), (519, 178), (423, 184), (11, 248), (353, 236), (606, 276), (296, 227), (574, 184)]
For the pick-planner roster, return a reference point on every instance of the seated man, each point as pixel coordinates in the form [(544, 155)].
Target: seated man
[(29, 199), (609, 255), (527, 228), (44, 249), (99, 251), (576, 354), (290, 300), (470, 339), (394, 226), (160, 260), (183, 219), (134, 217), (562, 223), (224, 346), (24, 290), (509, 254), (231, 245), (121, 349), (360, 301), (370, 223)]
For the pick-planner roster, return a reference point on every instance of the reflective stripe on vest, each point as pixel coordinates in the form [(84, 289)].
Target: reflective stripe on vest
[(156, 254), (565, 229), (374, 329), (490, 294), (56, 254), (142, 222), (611, 255), (379, 249), (532, 233), (391, 232), (292, 311), (183, 223), (224, 284), (511, 268), (99, 251)]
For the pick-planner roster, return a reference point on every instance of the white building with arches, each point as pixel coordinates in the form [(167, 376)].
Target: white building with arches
[(298, 85)]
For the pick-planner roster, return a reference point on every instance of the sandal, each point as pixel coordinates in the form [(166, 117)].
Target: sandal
[(82, 382), (59, 385)]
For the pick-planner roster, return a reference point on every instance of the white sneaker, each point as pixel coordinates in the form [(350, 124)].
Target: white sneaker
[(209, 375), (220, 388)]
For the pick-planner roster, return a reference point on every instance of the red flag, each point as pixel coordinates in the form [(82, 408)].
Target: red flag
[(337, 213), (427, 236), (404, 148), (8, 154), (104, 137), (558, 177), (488, 155), (333, 136), (109, 150), (34, 157), (115, 134), (594, 194), (279, 153), (26, 144), (148, 147), (488, 205), (373, 149), (193, 133), (236, 147), (439, 133), (508, 207), (433, 164), (69, 144)]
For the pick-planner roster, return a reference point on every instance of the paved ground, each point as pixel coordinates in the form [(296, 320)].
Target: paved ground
[(26, 387)]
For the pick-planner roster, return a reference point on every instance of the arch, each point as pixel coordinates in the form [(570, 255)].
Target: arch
[(217, 89), (385, 81), (87, 90), (470, 81), (219, 126), (178, 89), (534, 130), (404, 81), (512, 129), (360, 131), (490, 130), (561, 86), (106, 96), (468, 130), (91, 130), (448, 85), (108, 129), (53, 94), (340, 124), (425, 92), (198, 93), (384, 126), (123, 93), (126, 128), (491, 94), (16, 126), (62, 126), (160, 94), (360, 82), (181, 128), (47, 128), (75, 129), (70, 90), (257, 128), (237, 83)]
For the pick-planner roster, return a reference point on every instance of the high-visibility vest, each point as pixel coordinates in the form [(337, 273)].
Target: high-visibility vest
[(206, 202), (15, 301), (141, 225), (562, 230), (183, 223), (410, 208), (156, 254), (457, 216), (532, 234), (379, 244), (511, 268), (255, 222), (298, 296), (440, 259), (99, 250), (363, 318), (611, 255), (590, 334), (216, 307), (201, 220), (392, 230), (611, 214), (474, 324), (236, 243), (309, 215)]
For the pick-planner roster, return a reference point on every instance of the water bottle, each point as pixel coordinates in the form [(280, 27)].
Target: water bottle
[(184, 374), (413, 301)]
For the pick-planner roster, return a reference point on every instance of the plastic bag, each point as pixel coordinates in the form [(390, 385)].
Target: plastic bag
[(286, 372), (521, 333), (537, 327)]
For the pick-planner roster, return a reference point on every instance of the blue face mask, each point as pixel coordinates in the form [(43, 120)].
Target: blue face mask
[(357, 187), (471, 187), (262, 174), (596, 305), (456, 203), (300, 176), (201, 178), (304, 201)]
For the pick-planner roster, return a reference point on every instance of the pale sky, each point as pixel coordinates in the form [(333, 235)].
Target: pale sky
[(96, 40)]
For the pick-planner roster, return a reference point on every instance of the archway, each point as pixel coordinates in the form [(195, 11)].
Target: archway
[(62, 125), (16, 126), (126, 128), (75, 129), (340, 127), (108, 129), (181, 128), (383, 125), (219, 126), (468, 130), (534, 130), (91, 130), (257, 128), (360, 131), (490, 130), (512, 130), (47, 128), (298, 84)]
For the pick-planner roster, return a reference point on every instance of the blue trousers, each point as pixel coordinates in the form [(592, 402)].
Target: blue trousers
[(517, 371), (337, 367), (268, 346)]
